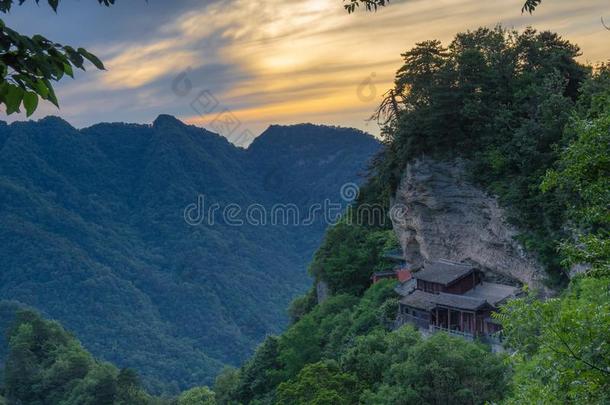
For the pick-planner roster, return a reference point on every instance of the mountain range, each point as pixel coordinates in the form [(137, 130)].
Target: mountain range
[(106, 230)]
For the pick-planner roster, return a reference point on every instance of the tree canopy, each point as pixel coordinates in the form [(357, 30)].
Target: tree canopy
[(499, 99), (47, 365)]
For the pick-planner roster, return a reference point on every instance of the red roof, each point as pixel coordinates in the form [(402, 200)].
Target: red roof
[(403, 275)]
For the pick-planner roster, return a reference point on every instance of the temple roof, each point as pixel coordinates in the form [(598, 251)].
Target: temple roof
[(404, 289), (419, 299), (493, 293), (460, 301), (443, 272)]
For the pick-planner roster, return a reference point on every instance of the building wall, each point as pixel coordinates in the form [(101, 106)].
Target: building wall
[(429, 287), (462, 286), (465, 284)]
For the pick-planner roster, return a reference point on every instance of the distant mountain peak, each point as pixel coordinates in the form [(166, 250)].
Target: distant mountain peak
[(164, 120), (98, 230), (308, 135), (51, 121)]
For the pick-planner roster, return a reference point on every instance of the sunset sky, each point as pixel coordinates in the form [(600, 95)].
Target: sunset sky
[(267, 61)]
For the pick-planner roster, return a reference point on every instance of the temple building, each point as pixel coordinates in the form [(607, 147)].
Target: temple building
[(452, 297)]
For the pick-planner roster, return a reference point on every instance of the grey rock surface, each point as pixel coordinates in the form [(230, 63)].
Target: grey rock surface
[(447, 217)]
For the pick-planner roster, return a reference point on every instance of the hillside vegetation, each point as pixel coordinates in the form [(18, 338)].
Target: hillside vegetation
[(92, 234), (533, 124)]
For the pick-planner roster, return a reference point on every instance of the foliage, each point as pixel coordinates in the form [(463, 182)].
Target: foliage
[(562, 345), (442, 370), (28, 65), (562, 350), (260, 373), (583, 173), (500, 100), (503, 100), (197, 396), (342, 352), (93, 234), (372, 5), (321, 383), (302, 305), (530, 5), (47, 365), (226, 385), (350, 253)]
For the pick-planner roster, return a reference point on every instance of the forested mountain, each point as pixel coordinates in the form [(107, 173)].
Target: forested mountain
[(532, 126), (93, 234)]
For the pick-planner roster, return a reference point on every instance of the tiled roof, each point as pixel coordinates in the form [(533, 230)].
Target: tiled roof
[(460, 301), (419, 299), (404, 289), (428, 301), (443, 272), (494, 293)]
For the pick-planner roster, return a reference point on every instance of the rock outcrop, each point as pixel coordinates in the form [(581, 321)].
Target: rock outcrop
[(444, 216)]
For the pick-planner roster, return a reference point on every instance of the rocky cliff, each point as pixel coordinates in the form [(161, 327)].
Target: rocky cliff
[(447, 217)]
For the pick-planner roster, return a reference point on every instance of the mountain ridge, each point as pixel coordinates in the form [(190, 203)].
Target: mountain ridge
[(93, 235)]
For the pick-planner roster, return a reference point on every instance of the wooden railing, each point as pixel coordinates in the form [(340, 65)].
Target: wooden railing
[(465, 335), (493, 338)]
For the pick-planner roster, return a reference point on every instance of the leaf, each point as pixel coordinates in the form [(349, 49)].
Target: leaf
[(30, 102), (92, 58), (54, 4), (13, 99), (51, 95), (68, 70), (41, 88)]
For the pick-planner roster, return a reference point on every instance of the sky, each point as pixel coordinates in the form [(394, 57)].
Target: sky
[(237, 66)]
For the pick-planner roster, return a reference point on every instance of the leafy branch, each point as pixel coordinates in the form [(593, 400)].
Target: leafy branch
[(530, 6), (29, 65), (370, 5)]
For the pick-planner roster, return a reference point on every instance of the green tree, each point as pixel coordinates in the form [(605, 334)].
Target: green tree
[(562, 345), (371, 355), (350, 253), (500, 100), (197, 396), (300, 306), (583, 174), (129, 391), (261, 373), (443, 370), (28, 65), (226, 385), (47, 365), (320, 383)]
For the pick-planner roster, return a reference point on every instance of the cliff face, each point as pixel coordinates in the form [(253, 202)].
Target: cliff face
[(446, 217)]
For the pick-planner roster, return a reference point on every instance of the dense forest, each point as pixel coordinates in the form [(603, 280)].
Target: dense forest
[(534, 126), (93, 235)]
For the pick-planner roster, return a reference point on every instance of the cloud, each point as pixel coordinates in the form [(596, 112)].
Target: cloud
[(278, 61)]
